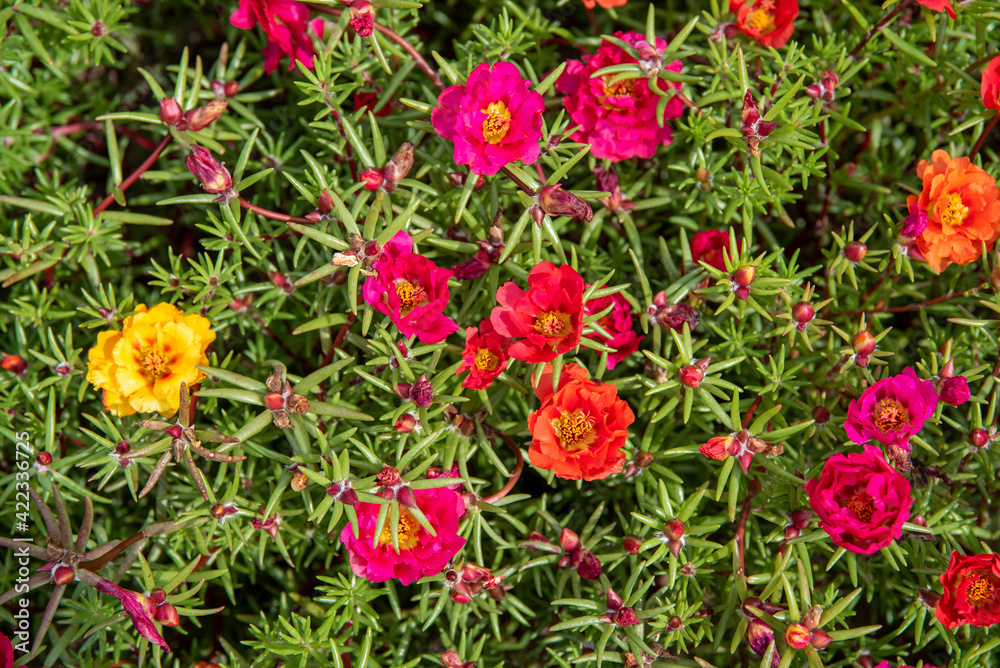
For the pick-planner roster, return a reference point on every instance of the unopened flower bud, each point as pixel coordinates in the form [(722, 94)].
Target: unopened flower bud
[(212, 174), (388, 476), (797, 635), (674, 529), (646, 51), (63, 575), (632, 543), (742, 294), (675, 316), (744, 276), (63, 368), (406, 423), (820, 639), (274, 401), (324, 203), (14, 364), (800, 518), (166, 614), (202, 117), (569, 541), (643, 459), (558, 202), (862, 360), (607, 181), (421, 392), (802, 313), (814, 90), (613, 600), (399, 166), (373, 179), (170, 111), (979, 437), (855, 251), (362, 17), (44, 458), (406, 497), (158, 596), (231, 88), (863, 344), (821, 415), (218, 511), (174, 431)]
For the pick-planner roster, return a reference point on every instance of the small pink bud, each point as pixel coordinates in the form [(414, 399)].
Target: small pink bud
[(44, 458), (166, 614), (820, 639), (803, 312), (632, 543), (170, 111), (174, 431), (406, 497), (855, 251), (158, 596), (613, 600), (863, 343), (569, 541), (813, 91), (406, 423), (979, 437), (373, 179)]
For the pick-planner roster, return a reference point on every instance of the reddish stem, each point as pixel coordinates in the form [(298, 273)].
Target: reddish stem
[(741, 528), (986, 131), (134, 176), (274, 215), (515, 474), (880, 25)]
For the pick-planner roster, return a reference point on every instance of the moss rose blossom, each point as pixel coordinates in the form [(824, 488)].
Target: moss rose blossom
[(892, 410), (494, 119), (971, 591), (286, 24)]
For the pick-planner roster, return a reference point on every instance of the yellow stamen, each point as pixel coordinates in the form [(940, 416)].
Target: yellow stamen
[(497, 122), (761, 18), (890, 415), (951, 210), (410, 296), (551, 323), (981, 590), (863, 506), (407, 535), (619, 88), (153, 362), (485, 360), (575, 430)]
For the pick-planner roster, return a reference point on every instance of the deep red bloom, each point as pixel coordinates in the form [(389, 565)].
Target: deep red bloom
[(548, 317), (366, 99), (494, 119), (861, 500), (617, 323), (770, 22), (709, 245), (580, 429), (971, 591), (485, 355), (285, 22), (619, 120), (411, 290), (939, 6), (990, 89)]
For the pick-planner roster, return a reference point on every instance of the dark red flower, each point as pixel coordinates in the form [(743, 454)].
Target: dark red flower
[(990, 87), (548, 317), (485, 355), (708, 246), (971, 591)]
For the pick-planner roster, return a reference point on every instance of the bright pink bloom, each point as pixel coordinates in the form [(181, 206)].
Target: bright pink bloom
[(6, 652), (485, 355), (285, 22), (617, 323), (435, 472), (886, 664), (548, 316), (618, 120), (955, 390), (892, 410), (861, 500), (139, 608), (494, 119), (411, 290), (420, 554), (709, 245)]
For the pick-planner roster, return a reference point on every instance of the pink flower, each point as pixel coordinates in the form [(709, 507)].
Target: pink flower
[(285, 23), (861, 500), (892, 410), (139, 608), (6, 652), (618, 120), (617, 323), (485, 355), (420, 554), (494, 119), (411, 290), (435, 472), (955, 390)]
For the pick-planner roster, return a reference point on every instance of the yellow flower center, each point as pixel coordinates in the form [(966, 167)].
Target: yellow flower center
[(890, 415), (485, 360), (154, 365), (980, 590), (575, 430), (619, 88), (497, 122), (410, 296), (761, 19), (407, 533), (551, 323), (863, 506), (951, 210)]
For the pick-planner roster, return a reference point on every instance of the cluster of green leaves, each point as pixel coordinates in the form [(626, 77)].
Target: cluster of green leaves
[(79, 112)]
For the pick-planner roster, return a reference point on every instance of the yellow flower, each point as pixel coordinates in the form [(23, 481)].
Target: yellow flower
[(140, 369)]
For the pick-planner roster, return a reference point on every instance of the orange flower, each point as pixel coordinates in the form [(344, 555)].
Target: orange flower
[(589, 4), (141, 367), (770, 22), (963, 205), (580, 429)]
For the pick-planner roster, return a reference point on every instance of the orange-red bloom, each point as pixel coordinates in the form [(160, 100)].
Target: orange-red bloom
[(938, 6), (580, 429), (971, 591), (990, 89), (963, 204), (589, 4), (770, 22)]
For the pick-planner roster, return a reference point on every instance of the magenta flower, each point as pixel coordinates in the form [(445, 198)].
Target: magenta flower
[(619, 119), (861, 500), (617, 323), (285, 22), (420, 554), (955, 390), (411, 290), (139, 608), (494, 119), (892, 410)]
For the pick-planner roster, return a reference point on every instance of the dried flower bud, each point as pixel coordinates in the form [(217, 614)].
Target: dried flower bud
[(797, 635), (299, 482), (863, 343), (214, 177), (399, 165), (14, 364), (388, 476), (632, 543), (362, 17), (759, 636), (643, 459), (373, 179), (555, 201), (474, 573), (421, 392), (855, 251), (297, 404), (202, 117), (979, 437), (624, 617), (450, 659), (607, 181), (675, 316), (810, 619), (170, 111)]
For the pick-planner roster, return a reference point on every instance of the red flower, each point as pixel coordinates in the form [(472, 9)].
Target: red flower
[(494, 119), (548, 317), (990, 89), (708, 245), (617, 323), (285, 22), (938, 6), (6, 652), (971, 591), (861, 501), (619, 120), (770, 22), (367, 99), (485, 355), (580, 429), (139, 608), (411, 290)]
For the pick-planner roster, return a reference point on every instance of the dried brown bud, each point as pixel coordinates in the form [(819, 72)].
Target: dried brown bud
[(558, 202), (299, 481), (202, 117), (297, 404), (399, 165)]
